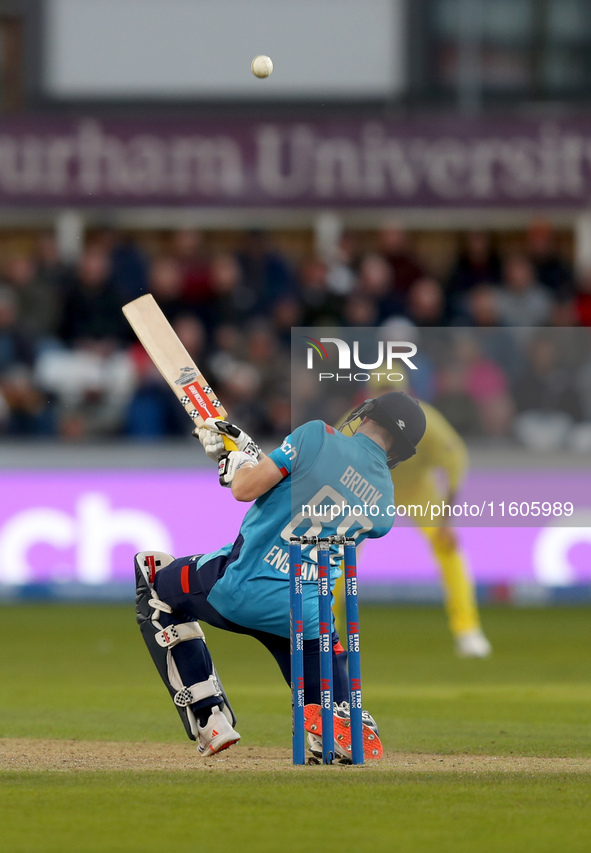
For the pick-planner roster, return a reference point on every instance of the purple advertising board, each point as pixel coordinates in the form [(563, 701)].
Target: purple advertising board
[(84, 527), (309, 162)]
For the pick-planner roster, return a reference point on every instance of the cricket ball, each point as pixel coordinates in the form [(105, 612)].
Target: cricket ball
[(261, 66)]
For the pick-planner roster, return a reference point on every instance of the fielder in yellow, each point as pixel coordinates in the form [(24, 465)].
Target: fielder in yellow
[(442, 456)]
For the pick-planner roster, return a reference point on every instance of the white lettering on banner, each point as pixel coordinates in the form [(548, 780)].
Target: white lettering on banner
[(318, 162), (337, 169), (101, 528), (94, 531), (273, 155), (93, 161), (390, 163), (28, 528), (552, 566)]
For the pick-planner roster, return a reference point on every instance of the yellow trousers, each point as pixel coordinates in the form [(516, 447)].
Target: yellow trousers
[(458, 586)]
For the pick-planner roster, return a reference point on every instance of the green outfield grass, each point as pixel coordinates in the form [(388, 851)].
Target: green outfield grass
[(81, 672)]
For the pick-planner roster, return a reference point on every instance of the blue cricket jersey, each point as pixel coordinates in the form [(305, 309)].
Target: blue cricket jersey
[(333, 485)]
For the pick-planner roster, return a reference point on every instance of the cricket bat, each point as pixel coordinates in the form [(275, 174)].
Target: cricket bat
[(173, 361)]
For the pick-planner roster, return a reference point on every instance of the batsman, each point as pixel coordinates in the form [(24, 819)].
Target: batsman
[(317, 483)]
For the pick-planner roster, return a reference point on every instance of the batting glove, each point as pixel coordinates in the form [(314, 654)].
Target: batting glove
[(232, 462), (211, 437), (212, 442)]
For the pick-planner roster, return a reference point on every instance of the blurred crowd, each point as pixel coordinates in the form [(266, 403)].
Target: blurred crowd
[(70, 366)]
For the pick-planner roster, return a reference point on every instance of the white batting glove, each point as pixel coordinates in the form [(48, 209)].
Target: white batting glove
[(232, 462), (212, 442), (211, 437)]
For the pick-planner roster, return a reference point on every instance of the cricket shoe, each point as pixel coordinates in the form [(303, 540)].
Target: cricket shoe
[(217, 734), (472, 644), (372, 746), (341, 756)]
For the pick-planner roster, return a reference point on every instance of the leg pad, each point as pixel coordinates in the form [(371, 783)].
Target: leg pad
[(169, 637), (197, 692), (160, 639)]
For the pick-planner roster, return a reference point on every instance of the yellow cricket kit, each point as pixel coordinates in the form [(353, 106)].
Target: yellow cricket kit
[(430, 477)]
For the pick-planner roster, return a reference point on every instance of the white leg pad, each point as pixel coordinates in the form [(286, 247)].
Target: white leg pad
[(158, 606), (169, 637), (197, 692), (160, 640)]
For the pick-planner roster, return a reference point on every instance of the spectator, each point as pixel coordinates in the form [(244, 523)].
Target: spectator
[(92, 309), (242, 394), (551, 270), (359, 310), (393, 244), (166, 285), (21, 404), (341, 266), (478, 263), (487, 385), (564, 313), (15, 347), (474, 391), (548, 405), (422, 381), (49, 265), (246, 304), (232, 301), (582, 376), (91, 384), (263, 350), (279, 415), (497, 342), (24, 410), (228, 346), (544, 384), (425, 304), (320, 306), (128, 263), (454, 402), (192, 335), (523, 301), (39, 299), (375, 282), (266, 272), (287, 314), (188, 249), (481, 306), (153, 412), (583, 299), (248, 388)]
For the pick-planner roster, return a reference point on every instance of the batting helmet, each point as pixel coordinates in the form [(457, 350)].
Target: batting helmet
[(401, 416)]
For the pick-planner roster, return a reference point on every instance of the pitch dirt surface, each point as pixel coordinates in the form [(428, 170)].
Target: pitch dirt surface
[(72, 755)]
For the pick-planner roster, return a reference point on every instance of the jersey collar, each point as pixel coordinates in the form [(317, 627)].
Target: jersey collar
[(374, 448)]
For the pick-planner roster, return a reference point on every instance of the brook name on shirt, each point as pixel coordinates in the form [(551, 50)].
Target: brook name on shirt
[(360, 487)]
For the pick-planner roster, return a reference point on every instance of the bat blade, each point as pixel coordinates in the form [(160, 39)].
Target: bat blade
[(173, 361)]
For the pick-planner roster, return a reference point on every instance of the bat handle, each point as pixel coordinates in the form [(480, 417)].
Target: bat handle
[(227, 431), (229, 444)]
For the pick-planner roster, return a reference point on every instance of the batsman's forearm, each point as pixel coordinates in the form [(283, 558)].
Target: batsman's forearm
[(250, 483), (242, 488)]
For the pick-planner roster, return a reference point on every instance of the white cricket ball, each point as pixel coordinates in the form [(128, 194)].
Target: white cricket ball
[(261, 66)]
